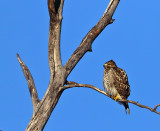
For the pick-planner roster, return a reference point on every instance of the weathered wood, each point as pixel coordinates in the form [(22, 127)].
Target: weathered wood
[(31, 85), (54, 55), (46, 106)]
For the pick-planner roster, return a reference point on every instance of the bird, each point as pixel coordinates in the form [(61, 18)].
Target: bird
[(115, 82)]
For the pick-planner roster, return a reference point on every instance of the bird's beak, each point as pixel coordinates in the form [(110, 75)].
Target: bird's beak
[(105, 65)]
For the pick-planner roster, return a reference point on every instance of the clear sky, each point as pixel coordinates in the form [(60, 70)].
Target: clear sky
[(132, 41)]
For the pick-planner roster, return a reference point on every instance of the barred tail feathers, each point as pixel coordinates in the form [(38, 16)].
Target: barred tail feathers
[(126, 107)]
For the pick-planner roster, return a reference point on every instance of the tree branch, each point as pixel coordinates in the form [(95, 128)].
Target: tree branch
[(87, 41), (73, 84), (31, 85), (55, 8), (147, 107), (155, 108)]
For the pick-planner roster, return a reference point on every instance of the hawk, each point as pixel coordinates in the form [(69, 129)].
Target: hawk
[(115, 82)]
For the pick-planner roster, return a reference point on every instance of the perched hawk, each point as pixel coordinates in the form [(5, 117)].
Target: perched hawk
[(115, 82)]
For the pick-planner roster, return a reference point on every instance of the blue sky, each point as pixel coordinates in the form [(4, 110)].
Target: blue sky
[(132, 41)]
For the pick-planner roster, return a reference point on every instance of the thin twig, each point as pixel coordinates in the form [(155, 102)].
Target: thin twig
[(143, 106), (155, 108), (74, 84), (30, 81)]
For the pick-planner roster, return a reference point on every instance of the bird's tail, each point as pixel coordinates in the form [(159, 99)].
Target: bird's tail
[(126, 107)]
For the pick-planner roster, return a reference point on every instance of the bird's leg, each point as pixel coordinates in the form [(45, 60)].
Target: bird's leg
[(115, 97)]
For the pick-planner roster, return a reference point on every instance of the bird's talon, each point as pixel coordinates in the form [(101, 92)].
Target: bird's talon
[(116, 98)]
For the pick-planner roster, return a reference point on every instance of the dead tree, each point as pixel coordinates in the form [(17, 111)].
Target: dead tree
[(42, 109)]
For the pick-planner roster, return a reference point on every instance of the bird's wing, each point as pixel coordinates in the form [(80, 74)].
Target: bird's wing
[(121, 83)]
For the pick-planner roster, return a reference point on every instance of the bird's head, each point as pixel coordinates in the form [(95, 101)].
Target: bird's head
[(110, 64)]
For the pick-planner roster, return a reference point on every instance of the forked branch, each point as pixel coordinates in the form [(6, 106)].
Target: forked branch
[(31, 85), (73, 84)]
